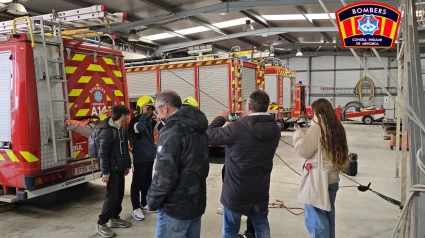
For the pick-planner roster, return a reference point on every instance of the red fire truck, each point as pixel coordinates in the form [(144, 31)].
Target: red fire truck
[(216, 84), (43, 80)]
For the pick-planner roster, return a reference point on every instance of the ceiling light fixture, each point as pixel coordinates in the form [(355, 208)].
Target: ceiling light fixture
[(299, 53), (17, 8), (368, 53), (248, 26), (133, 36)]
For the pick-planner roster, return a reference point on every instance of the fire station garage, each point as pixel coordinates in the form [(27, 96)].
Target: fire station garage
[(66, 63)]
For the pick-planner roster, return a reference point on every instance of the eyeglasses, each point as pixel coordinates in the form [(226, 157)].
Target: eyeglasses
[(158, 107)]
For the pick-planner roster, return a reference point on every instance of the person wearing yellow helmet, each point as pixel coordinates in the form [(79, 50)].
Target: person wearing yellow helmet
[(140, 130), (190, 101)]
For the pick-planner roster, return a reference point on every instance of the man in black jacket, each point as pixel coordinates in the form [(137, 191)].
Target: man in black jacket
[(141, 137), (115, 164), (179, 190), (251, 142)]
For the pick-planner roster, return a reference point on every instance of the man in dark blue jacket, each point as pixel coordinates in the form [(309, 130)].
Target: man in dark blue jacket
[(251, 143), (115, 163), (141, 130)]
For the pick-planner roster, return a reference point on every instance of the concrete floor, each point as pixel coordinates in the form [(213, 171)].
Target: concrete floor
[(73, 212)]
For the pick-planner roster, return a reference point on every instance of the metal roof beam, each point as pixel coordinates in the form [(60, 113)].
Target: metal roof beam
[(265, 31), (262, 21), (168, 8), (218, 8), (315, 24)]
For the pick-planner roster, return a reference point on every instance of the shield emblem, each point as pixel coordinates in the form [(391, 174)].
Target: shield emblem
[(368, 24)]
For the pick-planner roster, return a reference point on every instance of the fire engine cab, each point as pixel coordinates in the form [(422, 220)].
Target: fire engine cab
[(45, 78)]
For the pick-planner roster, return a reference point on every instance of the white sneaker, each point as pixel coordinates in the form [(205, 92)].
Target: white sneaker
[(146, 209), (138, 215)]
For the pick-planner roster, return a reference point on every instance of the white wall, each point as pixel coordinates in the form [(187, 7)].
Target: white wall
[(341, 72)]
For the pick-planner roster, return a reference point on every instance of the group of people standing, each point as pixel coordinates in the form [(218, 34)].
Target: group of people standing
[(178, 190)]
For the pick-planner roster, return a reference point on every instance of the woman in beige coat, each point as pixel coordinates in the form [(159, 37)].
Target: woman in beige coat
[(333, 142)]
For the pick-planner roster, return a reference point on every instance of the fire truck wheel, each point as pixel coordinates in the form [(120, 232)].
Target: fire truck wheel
[(368, 120)]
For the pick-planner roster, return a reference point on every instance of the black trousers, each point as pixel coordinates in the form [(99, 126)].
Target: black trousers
[(113, 197), (249, 224), (142, 179)]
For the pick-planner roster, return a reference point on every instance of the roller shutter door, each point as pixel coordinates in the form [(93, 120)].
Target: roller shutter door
[(214, 81), (141, 83), (249, 83), (175, 81)]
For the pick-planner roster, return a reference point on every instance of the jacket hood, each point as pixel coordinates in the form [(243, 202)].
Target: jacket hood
[(263, 127), (191, 117), (108, 122)]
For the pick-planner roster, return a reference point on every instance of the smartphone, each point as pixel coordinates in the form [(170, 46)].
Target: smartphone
[(296, 126), (234, 116)]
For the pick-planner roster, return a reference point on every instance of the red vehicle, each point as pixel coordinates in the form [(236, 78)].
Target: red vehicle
[(43, 80)]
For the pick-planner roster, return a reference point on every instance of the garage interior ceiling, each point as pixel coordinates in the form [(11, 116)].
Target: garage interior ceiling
[(174, 25)]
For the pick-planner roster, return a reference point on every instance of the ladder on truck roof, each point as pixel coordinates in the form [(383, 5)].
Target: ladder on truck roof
[(83, 17)]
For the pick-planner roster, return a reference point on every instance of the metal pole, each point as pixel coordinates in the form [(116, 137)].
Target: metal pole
[(399, 114), (416, 100)]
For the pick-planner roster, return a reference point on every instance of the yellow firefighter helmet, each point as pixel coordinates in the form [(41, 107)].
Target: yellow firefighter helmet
[(190, 101), (148, 100)]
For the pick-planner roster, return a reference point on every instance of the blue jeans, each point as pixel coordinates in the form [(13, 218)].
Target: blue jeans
[(320, 223), (168, 227), (232, 222)]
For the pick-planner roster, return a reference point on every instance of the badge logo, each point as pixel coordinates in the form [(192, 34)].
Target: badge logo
[(368, 25), (98, 96)]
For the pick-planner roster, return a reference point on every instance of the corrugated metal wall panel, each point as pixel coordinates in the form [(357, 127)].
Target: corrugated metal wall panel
[(213, 80), (298, 63), (347, 62), (325, 78), (170, 81), (141, 83), (249, 82), (373, 62), (301, 76), (377, 101), (394, 72), (379, 74), (322, 62), (342, 101), (347, 79), (5, 110), (270, 86), (394, 62)]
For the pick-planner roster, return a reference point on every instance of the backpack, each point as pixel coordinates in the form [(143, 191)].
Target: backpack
[(94, 142)]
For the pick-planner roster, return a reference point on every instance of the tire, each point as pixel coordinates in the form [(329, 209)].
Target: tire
[(368, 120)]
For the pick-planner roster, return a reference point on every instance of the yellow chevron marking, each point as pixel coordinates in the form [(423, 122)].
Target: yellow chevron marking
[(117, 73), (108, 61), (28, 156), (108, 80), (76, 153), (84, 79), (12, 156), (209, 63), (108, 98), (144, 69), (137, 70), (128, 70), (199, 64), (218, 61), (162, 67), (97, 84), (171, 66), (233, 69), (70, 69), (82, 112), (71, 104), (118, 93), (153, 68), (228, 61), (75, 92), (95, 67), (103, 117), (258, 81), (180, 65), (78, 57), (1, 157), (189, 64), (87, 100)]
